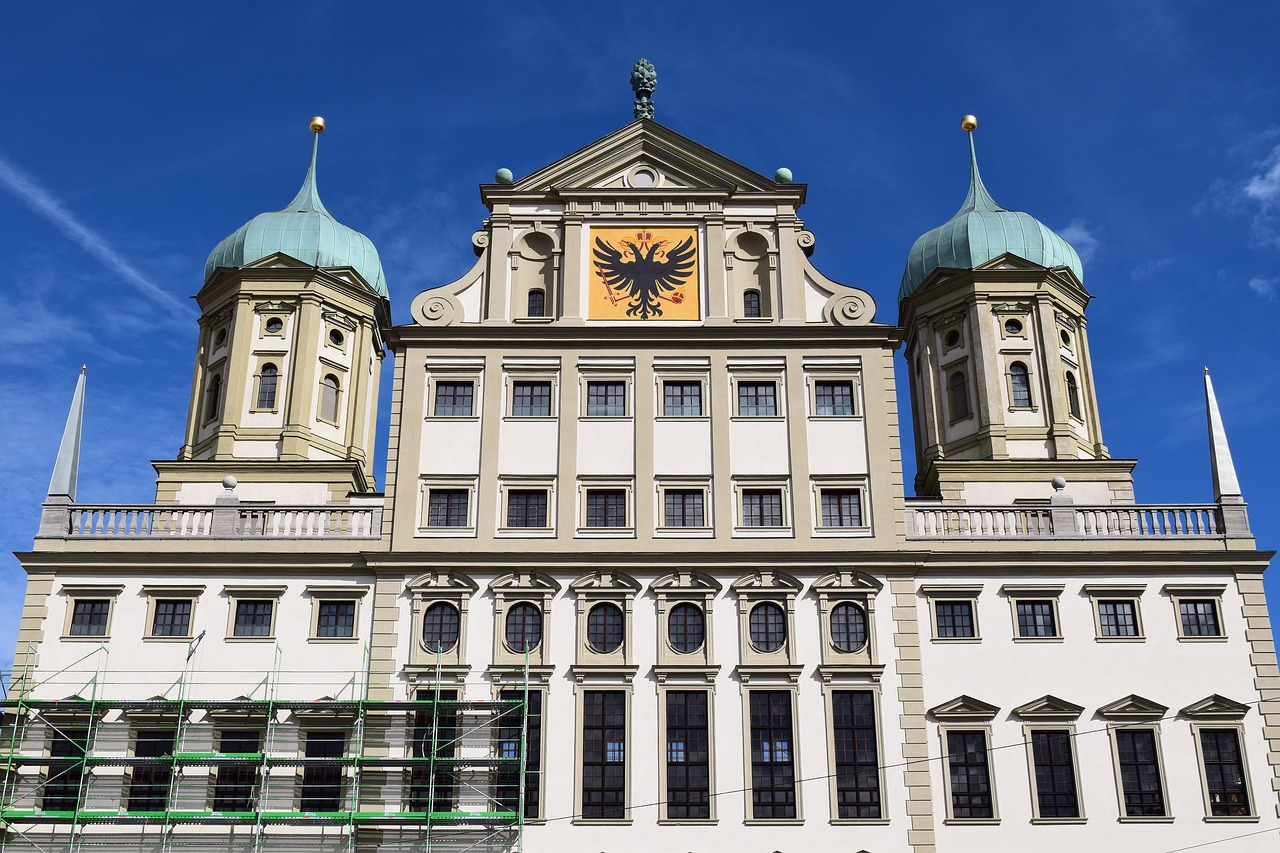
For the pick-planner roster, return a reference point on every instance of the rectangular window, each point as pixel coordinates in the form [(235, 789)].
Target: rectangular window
[(435, 736), (833, 399), (1199, 617), (509, 747), (757, 399), (969, 774), (682, 399), (1118, 617), (322, 783), (526, 508), (955, 619), (606, 508), (773, 775), (606, 399), (89, 617), (454, 399), (1139, 772), (253, 618), (149, 783), (1224, 773), (1036, 619), (604, 768), (688, 756), (683, 508), (336, 619), (1056, 795), (172, 618), (447, 507), (762, 507), (234, 788), (841, 508), (531, 399), (65, 773), (857, 770)]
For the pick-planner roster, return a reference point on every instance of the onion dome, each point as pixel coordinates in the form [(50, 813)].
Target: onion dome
[(305, 231), (982, 231)]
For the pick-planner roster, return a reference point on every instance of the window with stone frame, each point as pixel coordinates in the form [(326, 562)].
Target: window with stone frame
[(685, 637), (522, 621), (766, 622), (441, 600), (603, 602)]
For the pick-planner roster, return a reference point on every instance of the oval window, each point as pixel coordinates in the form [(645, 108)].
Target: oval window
[(604, 628), (524, 627), (686, 628), (1013, 327), (274, 325), (953, 338), (335, 337), (440, 627), (768, 627), (848, 627)]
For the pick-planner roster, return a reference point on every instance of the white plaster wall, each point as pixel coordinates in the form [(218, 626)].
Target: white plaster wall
[(450, 447), (682, 447), (837, 447), (759, 447), (996, 492), (285, 494), (606, 447), (528, 447)]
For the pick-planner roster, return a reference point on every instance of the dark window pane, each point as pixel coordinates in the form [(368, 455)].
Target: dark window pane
[(235, 785), (606, 399), (768, 626), (969, 775), (833, 398), (64, 776), (1139, 773), (688, 756), (336, 619), (1035, 619), (682, 399), (761, 507), (773, 779), (526, 508), (958, 393), (848, 627), (524, 627), (757, 399), (531, 399), (509, 734), (436, 735), (440, 625), (1224, 773), (1073, 396), (1199, 618), (686, 628), (604, 754), (537, 303), (955, 618), (267, 386), (448, 508), (89, 617), (751, 303), (454, 399), (841, 508), (857, 758), (322, 784), (253, 618), (683, 508), (1055, 774), (606, 508), (172, 618), (604, 627), (149, 783), (1020, 386), (1118, 617)]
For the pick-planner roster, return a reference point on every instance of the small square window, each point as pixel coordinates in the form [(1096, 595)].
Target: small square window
[(1036, 618), (172, 618), (1118, 617), (89, 617), (254, 617), (954, 620), (841, 507), (336, 619), (455, 399), (683, 508), (448, 508), (526, 508), (606, 399), (606, 508), (762, 508), (1199, 617), (833, 399), (757, 399), (531, 399), (682, 399)]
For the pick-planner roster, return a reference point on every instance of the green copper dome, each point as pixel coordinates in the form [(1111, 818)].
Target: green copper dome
[(981, 231), (303, 230)]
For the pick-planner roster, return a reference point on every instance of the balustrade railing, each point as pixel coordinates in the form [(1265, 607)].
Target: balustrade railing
[(1134, 521), (119, 521)]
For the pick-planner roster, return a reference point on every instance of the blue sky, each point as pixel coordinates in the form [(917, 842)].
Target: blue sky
[(135, 136)]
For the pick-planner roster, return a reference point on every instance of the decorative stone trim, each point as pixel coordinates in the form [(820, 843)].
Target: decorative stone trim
[(916, 774), (1266, 674)]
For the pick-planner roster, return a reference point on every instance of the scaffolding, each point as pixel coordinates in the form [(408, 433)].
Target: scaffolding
[(275, 773)]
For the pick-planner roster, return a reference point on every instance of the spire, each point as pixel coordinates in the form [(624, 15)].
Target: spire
[(1226, 488), (308, 198), (66, 469), (978, 197)]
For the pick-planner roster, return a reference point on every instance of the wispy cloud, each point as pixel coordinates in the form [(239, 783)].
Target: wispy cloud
[(1078, 234), (1264, 186), (42, 202), (1149, 269), (1265, 287)]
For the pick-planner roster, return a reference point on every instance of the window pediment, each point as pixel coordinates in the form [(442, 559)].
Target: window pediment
[(1216, 707), (685, 582), (766, 581), (847, 582), (964, 708), (533, 583), (1133, 707), (442, 582), (605, 581), (1049, 707)]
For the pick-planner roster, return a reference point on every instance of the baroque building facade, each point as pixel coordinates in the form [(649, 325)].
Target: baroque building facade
[(644, 573)]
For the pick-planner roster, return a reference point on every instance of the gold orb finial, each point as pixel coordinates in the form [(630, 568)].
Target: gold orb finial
[(317, 124), (969, 123)]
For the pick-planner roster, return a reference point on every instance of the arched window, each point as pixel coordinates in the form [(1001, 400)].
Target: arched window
[(604, 627), (848, 627), (524, 627), (440, 627), (213, 397), (686, 628), (537, 302), (267, 386), (1019, 386), (1073, 396), (958, 391), (768, 627), (751, 303), (329, 398)]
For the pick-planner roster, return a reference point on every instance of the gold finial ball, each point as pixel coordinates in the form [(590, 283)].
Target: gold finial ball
[(969, 123), (317, 124)]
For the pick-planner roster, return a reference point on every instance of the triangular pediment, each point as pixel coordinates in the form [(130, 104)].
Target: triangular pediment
[(1218, 707), (1009, 261), (278, 260), (1133, 706), (1049, 707), (964, 708), (669, 161)]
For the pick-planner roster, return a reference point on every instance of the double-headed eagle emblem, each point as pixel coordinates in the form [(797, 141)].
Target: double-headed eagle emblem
[(644, 272)]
